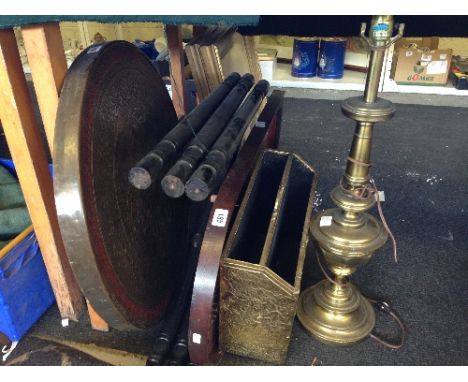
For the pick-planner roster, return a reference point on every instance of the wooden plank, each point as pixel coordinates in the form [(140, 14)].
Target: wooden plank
[(24, 141), (176, 54), (46, 57), (97, 322)]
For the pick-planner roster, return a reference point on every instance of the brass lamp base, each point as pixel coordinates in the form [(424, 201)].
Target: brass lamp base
[(335, 314), (334, 311)]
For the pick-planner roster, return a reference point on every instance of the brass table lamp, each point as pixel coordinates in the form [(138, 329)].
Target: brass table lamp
[(334, 311)]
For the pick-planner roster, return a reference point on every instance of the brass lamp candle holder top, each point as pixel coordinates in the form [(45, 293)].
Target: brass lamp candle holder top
[(334, 311)]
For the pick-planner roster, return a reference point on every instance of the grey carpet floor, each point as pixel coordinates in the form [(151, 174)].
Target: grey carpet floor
[(420, 160)]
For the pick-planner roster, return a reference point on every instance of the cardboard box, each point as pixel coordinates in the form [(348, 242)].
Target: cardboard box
[(417, 66), (423, 42)]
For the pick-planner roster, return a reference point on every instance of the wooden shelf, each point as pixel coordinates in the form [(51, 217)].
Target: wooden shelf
[(351, 80), (392, 87), (355, 81)]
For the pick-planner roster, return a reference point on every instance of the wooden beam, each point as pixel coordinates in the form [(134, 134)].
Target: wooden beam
[(197, 31), (97, 322), (28, 153), (176, 54), (46, 57)]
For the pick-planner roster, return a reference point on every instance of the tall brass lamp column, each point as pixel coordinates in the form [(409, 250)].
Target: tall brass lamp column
[(334, 311)]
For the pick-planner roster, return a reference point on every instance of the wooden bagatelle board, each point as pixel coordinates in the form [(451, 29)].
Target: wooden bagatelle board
[(203, 326), (126, 246)]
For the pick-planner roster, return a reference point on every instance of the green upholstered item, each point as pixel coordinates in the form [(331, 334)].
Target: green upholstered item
[(10, 192), (21, 20), (11, 196), (14, 216), (13, 221), (6, 177)]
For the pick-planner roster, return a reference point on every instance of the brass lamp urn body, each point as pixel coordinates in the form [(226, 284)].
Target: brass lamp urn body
[(334, 311)]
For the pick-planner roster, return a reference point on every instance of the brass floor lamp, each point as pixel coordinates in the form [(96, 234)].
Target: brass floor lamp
[(334, 311)]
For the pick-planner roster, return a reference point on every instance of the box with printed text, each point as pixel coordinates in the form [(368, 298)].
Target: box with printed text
[(417, 66)]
